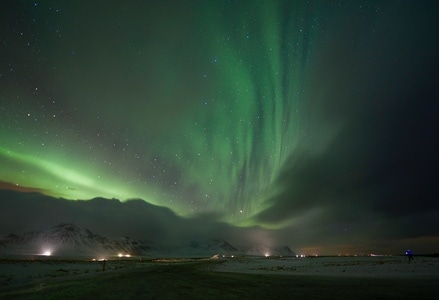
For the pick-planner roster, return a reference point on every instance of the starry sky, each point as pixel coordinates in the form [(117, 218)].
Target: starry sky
[(303, 118)]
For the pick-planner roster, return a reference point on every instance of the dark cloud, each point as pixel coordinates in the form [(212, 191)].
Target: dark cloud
[(323, 229), (137, 218), (23, 212)]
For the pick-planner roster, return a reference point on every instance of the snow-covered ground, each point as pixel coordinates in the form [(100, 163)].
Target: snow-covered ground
[(22, 271), (17, 272), (365, 266), (389, 277)]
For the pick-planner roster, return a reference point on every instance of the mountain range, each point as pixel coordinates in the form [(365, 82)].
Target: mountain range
[(67, 239)]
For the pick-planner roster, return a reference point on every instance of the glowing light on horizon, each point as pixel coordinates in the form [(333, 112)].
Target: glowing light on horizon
[(124, 255)]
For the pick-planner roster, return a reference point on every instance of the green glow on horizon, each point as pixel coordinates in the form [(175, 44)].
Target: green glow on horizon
[(60, 180)]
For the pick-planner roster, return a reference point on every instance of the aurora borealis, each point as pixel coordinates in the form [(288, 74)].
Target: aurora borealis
[(279, 114)]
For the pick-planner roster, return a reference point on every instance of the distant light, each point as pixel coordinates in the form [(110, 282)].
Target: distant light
[(120, 255), (267, 255), (47, 253), (127, 255), (232, 256)]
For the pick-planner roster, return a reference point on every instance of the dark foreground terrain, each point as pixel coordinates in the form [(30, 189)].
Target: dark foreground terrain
[(196, 280)]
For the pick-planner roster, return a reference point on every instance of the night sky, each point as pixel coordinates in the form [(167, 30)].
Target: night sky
[(314, 122)]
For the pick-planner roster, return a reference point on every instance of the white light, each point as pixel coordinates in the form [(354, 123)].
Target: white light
[(120, 255), (47, 253), (127, 255), (267, 255)]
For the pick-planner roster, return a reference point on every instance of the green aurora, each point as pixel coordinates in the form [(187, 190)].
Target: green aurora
[(209, 133)]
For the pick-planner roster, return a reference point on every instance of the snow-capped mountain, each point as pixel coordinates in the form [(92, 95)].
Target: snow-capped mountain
[(284, 251), (71, 235), (68, 239)]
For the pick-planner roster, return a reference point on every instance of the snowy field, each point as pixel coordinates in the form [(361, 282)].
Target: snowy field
[(366, 266), (222, 278)]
